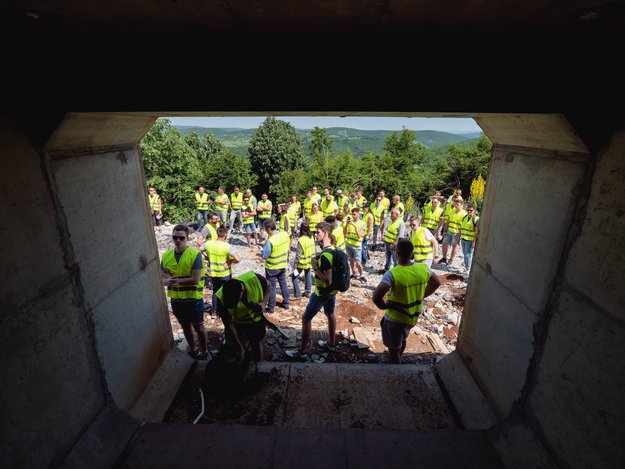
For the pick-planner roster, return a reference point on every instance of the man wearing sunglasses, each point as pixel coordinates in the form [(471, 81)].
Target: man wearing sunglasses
[(182, 271)]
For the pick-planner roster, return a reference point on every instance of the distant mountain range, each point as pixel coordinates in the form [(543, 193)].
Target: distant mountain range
[(343, 138)]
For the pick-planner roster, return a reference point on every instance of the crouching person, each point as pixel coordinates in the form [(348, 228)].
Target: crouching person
[(406, 285), (241, 303)]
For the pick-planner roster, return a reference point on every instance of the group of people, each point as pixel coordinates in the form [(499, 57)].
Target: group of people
[(317, 228)]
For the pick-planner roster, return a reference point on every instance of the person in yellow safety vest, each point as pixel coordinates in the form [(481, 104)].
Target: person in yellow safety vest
[(326, 193), (294, 210), (468, 233), (437, 195), (156, 206), (354, 231), (209, 232), (360, 198), (248, 211), (452, 229), (378, 211), (404, 286), (276, 255), (450, 208), (221, 205), (315, 217), (398, 204), (303, 259), (321, 297), (385, 201), (353, 203), (284, 224), (236, 201), (328, 206), (201, 201), (221, 255), (308, 203), (182, 271), (432, 217), (368, 218), (394, 231), (347, 214), (425, 244), (241, 302), (315, 195), (341, 200), (263, 209), (337, 230)]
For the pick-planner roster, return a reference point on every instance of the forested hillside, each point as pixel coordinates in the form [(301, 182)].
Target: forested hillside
[(281, 161), (357, 141)]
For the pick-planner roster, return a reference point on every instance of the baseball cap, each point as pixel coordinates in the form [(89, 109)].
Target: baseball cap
[(339, 191)]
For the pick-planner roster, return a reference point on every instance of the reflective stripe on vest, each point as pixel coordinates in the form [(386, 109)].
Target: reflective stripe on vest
[(182, 268), (328, 208), (242, 314), (467, 227), (406, 297), (340, 237), (279, 251), (392, 231), (247, 219), (308, 249), (265, 213), (221, 202), (237, 200), (422, 247), (203, 201), (217, 256), (352, 233), (154, 205), (313, 220), (432, 219), (454, 221)]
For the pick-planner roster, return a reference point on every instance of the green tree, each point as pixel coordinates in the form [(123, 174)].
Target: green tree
[(227, 169), (275, 148), (171, 165), (466, 164), (320, 150)]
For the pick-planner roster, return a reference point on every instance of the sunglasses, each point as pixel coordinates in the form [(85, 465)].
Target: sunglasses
[(179, 238)]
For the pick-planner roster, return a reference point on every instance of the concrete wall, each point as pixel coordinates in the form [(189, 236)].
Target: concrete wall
[(576, 401), (530, 198), (84, 318), (52, 383)]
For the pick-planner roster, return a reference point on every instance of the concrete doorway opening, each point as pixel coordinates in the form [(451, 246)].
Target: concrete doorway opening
[(524, 359)]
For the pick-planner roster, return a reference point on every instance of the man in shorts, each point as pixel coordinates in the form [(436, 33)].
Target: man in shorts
[(182, 271), (400, 293)]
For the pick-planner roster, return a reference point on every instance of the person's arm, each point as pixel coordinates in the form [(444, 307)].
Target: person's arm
[(266, 252), (298, 254), (433, 283), (434, 249), (345, 227), (475, 231), (194, 279), (229, 327), (379, 295), (233, 258)]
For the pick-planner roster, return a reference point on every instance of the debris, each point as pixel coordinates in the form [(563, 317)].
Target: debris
[(354, 320), (361, 338)]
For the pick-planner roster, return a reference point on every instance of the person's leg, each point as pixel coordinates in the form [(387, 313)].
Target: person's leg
[(217, 284), (223, 216), (312, 308), (240, 218), (187, 329), (467, 251), (199, 217), (308, 276), (454, 247), (232, 215), (306, 333), (270, 275), (395, 260), (328, 309), (296, 287), (201, 336), (364, 256), (284, 288), (389, 255)]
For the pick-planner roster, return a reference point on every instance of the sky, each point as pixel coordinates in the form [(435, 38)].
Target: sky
[(442, 124)]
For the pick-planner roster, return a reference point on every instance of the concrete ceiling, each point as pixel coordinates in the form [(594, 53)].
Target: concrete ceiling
[(401, 16)]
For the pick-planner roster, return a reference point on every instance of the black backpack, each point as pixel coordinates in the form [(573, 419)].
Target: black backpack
[(340, 271)]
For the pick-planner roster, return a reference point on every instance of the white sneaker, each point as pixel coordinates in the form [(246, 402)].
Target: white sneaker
[(325, 345), (296, 354)]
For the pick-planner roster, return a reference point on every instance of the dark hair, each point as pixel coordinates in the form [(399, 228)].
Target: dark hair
[(184, 228), (330, 219), (404, 248), (304, 229), (269, 224), (231, 293), (327, 228), (471, 206), (222, 231)]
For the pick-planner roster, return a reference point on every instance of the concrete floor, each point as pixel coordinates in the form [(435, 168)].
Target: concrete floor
[(319, 415)]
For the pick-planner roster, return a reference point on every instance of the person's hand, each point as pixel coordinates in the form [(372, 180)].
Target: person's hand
[(435, 261)]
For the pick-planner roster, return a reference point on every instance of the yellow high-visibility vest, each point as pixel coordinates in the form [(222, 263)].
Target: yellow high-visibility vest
[(203, 201), (218, 254), (422, 247), (242, 314), (406, 297), (183, 268), (308, 249), (280, 243)]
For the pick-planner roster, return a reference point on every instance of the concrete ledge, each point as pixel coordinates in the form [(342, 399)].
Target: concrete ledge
[(470, 404), (518, 446), (160, 393), (104, 440)]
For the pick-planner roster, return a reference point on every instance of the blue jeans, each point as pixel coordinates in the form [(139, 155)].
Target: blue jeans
[(308, 278), (202, 219), (365, 254), (316, 302), (467, 251), (279, 275), (390, 254), (217, 284)]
